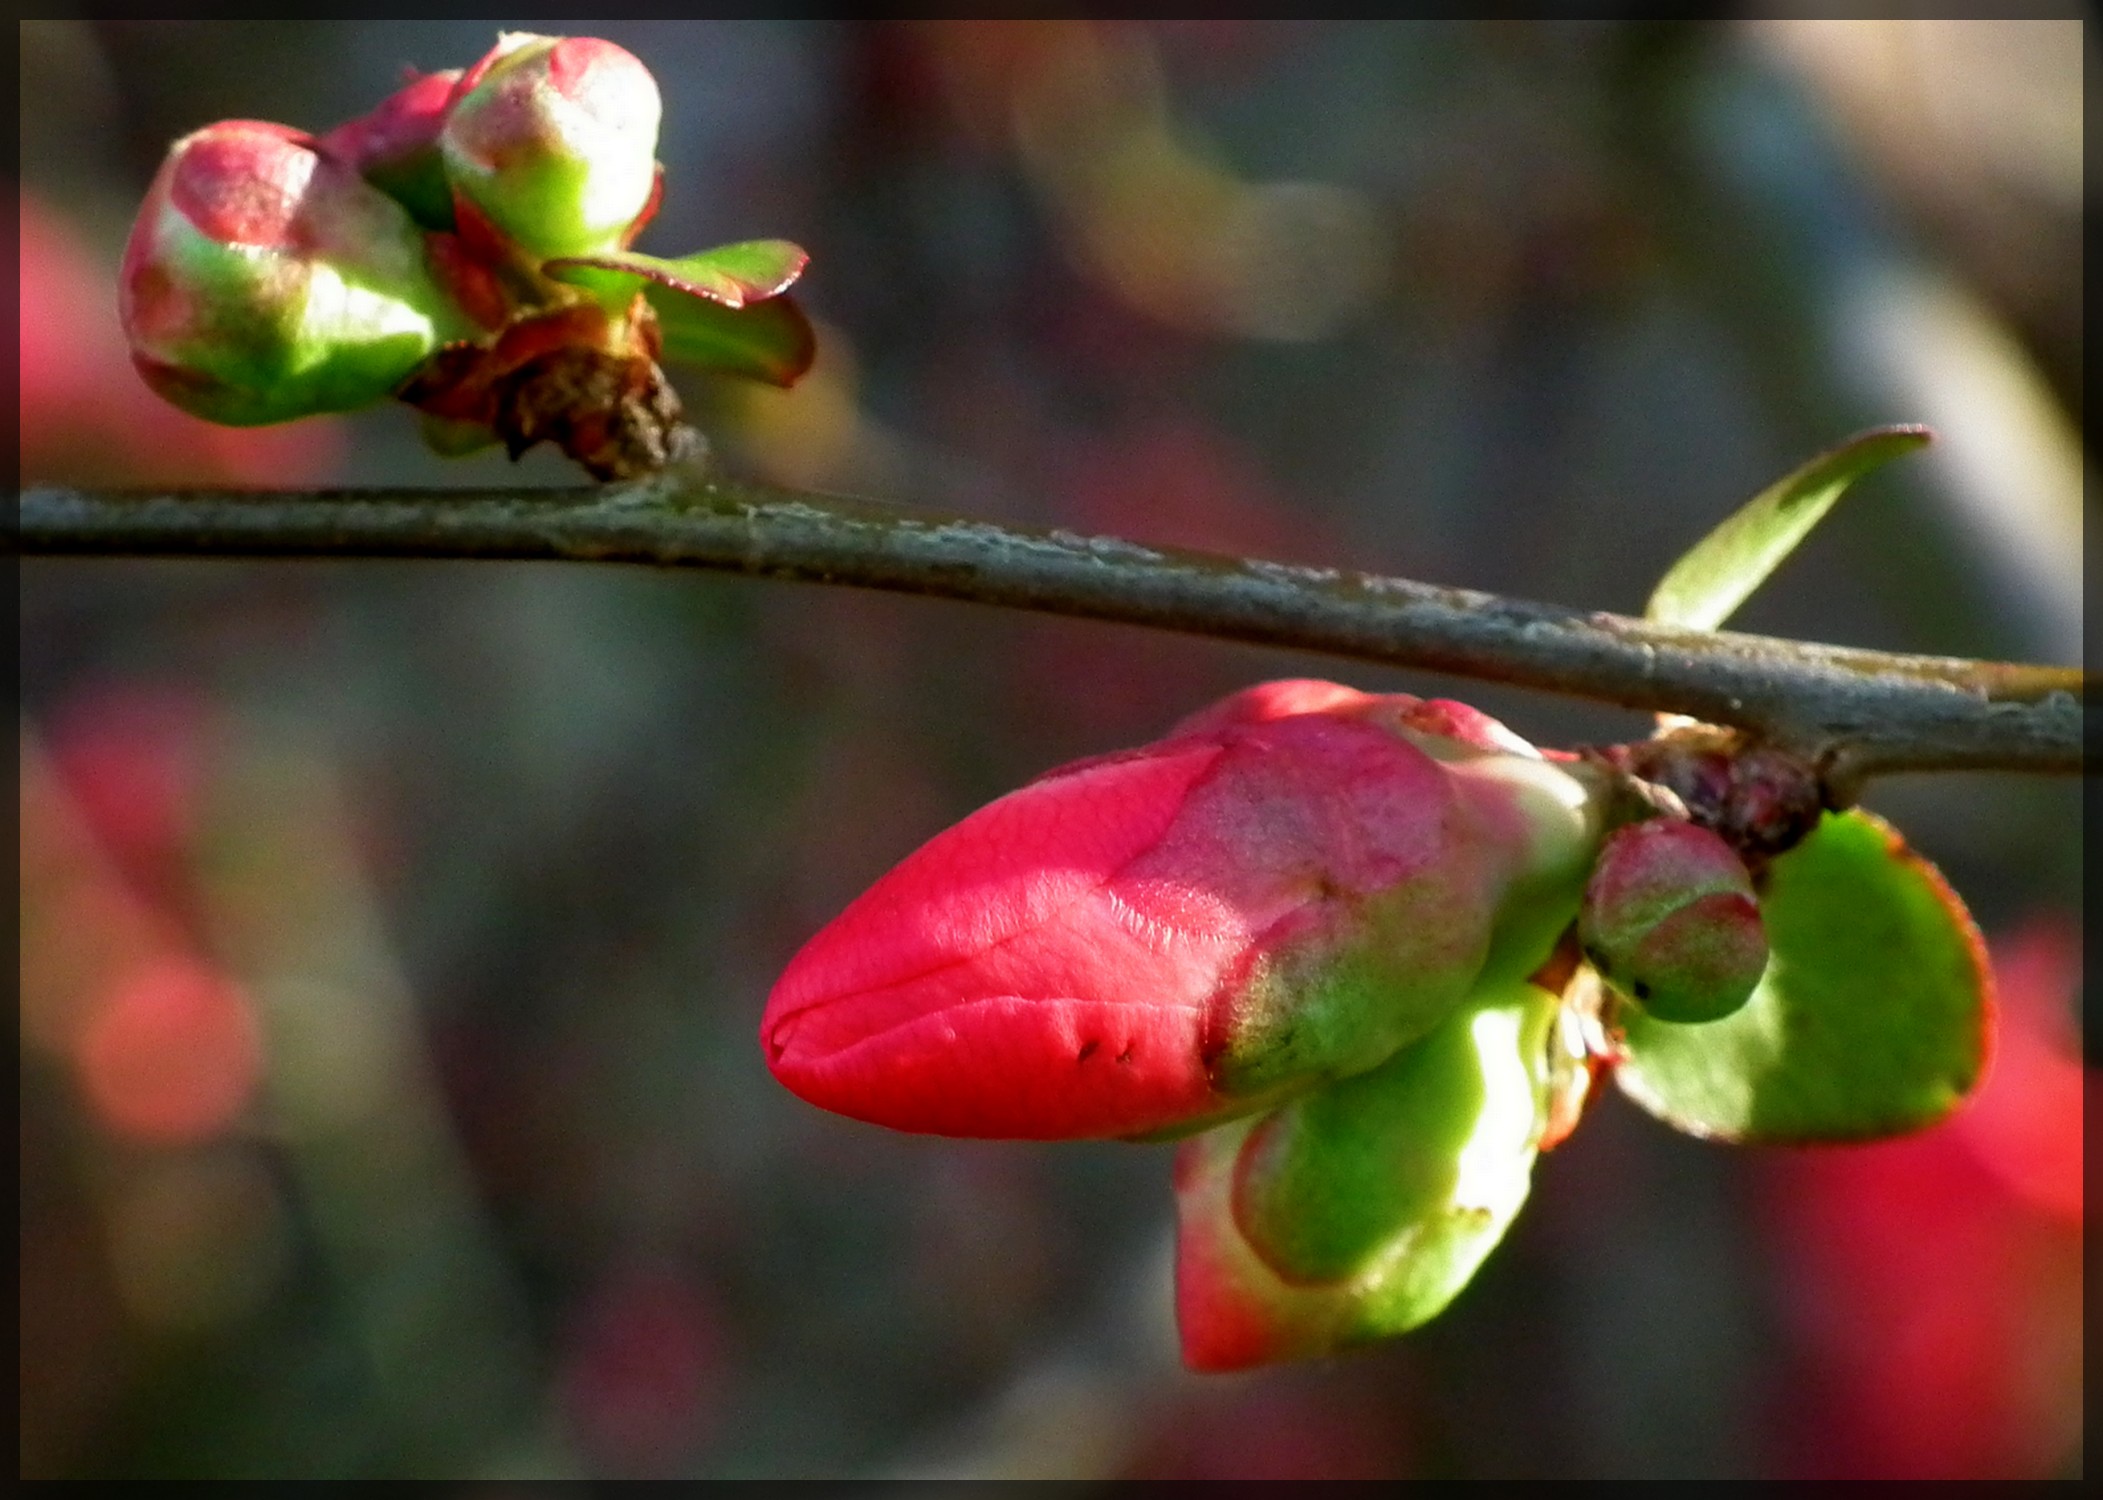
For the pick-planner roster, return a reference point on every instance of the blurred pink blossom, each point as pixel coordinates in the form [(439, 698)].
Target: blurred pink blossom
[(1934, 1281), (641, 1369)]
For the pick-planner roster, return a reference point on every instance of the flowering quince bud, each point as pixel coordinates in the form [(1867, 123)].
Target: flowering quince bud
[(265, 280), (1670, 919), (1291, 886), (395, 147), (554, 141), (1360, 1210)]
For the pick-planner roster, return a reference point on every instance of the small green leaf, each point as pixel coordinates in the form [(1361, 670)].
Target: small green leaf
[(1872, 1019), (771, 340), (722, 309), (734, 275), (1720, 572)]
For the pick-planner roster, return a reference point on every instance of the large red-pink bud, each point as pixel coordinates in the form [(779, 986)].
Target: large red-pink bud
[(1287, 889)]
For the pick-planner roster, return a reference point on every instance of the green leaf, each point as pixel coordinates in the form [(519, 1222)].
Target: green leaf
[(1720, 572), (771, 340), (1872, 1019), (734, 275), (722, 309)]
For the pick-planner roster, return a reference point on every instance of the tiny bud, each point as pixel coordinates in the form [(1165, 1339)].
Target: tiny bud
[(554, 140), (1361, 1210), (264, 280), (395, 147), (1670, 920)]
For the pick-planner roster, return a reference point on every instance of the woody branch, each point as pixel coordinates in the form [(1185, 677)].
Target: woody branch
[(1854, 713)]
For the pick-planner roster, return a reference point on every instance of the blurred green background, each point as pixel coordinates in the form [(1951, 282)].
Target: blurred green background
[(395, 934)]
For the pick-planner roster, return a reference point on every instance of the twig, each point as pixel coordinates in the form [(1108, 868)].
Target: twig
[(1855, 712)]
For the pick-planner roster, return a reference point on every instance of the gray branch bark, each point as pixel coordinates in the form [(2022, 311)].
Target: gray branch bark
[(1855, 712)]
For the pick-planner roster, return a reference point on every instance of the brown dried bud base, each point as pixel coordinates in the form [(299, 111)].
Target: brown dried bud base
[(571, 377)]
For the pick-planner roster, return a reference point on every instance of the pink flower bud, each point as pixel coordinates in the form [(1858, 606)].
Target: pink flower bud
[(265, 280), (1285, 890), (554, 140), (395, 147), (1360, 1210), (1670, 919)]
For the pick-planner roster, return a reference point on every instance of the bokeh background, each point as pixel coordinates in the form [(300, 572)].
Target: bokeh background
[(394, 934)]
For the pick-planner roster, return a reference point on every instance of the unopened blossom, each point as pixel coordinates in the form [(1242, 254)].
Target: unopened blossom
[(1287, 889), (1360, 1210), (265, 280), (554, 141), (394, 146), (1670, 919)]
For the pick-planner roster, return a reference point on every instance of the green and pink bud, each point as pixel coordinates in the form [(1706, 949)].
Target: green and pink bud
[(395, 147), (1361, 1210), (266, 280), (553, 140), (1670, 919), (1292, 886)]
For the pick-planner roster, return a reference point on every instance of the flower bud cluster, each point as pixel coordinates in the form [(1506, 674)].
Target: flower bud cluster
[(273, 274), (1320, 932)]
